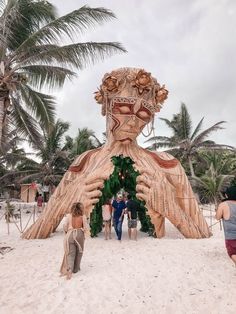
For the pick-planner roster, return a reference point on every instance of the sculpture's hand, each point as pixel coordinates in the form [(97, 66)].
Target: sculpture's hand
[(150, 190), (92, 190), (143, 187), (145, 182)]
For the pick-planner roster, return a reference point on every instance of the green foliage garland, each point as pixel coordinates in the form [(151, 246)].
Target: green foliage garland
[(124, 176)]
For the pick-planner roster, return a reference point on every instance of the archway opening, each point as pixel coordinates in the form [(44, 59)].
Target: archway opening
[(123, 177)]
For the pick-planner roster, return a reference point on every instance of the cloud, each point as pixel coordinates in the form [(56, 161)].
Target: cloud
[(187, 45)]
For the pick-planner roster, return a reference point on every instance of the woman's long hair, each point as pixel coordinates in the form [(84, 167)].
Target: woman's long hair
[(77, 209)]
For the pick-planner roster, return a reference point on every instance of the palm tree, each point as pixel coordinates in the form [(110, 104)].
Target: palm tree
[(184, 141), (10, 159), (51, 160), (85, 140), (221, 171), (32, 58), (53, 156)]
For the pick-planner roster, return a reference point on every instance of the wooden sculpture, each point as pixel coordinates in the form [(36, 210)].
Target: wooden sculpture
[(129, 98)]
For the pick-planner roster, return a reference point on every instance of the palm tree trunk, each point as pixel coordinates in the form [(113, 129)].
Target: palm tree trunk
[(1, 119), (191, 166)]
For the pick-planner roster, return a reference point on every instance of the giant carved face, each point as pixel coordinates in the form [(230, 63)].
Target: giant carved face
[(129, 98), (128, 120)]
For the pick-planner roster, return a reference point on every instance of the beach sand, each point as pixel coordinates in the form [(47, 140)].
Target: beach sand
[(169, 275)]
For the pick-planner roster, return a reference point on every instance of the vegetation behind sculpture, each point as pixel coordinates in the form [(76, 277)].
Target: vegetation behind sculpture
[(123, 176)]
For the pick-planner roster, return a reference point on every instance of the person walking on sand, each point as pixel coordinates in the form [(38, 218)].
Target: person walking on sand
[(106, 216), (74, 228), (227, 212), (118, 206), (132, 207)]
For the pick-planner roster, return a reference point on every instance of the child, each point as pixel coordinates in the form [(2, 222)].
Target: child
[(106, 215)]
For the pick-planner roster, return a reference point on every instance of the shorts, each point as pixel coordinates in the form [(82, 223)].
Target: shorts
[(231, 247), (132, 223)]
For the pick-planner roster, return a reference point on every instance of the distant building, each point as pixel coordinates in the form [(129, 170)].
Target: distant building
[(27, 192)]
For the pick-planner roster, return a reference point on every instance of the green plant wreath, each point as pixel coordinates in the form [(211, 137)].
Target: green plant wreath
[(124, 176)]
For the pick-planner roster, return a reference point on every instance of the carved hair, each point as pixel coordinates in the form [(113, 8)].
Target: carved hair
[(129, 85)]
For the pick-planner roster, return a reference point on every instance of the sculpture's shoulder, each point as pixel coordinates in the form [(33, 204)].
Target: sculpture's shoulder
[(163, 159), (164, 155), (80, 161)]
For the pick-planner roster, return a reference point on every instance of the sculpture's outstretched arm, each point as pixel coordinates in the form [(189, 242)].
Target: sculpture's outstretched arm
[(162, 197), (75, 187)]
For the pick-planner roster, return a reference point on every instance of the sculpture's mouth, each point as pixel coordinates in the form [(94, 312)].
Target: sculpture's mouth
[(130, 131), (127, 139)]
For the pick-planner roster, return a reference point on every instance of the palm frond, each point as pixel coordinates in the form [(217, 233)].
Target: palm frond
[(197, 129), (22, 18), (169, 124), (2, 5), (75, 55), (158, 138), (71, 23), (46, 76), (161, 145), (201, 137), (9, 14), (55, 136), (215, 147), (24, 123), (32, 177), (13, 174), (68, 143), (185, 122), (32, 14), (162, 142), (41, 105), (28, 53)]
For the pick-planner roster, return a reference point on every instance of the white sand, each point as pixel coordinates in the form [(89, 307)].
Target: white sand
[(170, 275)]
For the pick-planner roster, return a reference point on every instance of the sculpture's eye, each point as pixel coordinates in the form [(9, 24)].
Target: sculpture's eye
[(125, 109), (143, 115), (122, 109)]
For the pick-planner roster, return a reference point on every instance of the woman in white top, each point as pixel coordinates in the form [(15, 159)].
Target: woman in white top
[(106, 216)]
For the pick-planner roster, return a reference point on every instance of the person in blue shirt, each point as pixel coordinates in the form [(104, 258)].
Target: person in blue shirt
[(118, 206)]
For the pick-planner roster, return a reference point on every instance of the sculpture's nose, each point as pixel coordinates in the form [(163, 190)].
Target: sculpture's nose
[(132, 121)]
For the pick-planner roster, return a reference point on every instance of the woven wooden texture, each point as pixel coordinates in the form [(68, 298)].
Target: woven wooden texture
[(129, 98), (167, 192)]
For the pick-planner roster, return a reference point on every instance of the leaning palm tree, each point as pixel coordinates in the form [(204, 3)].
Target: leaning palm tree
[(32, 58), (185, 141)]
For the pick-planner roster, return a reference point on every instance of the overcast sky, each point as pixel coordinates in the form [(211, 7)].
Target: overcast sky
[(189, 45)]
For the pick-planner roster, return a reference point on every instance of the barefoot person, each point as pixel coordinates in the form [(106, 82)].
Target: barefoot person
[(74, 228), (132, 207), (106, 216), (227, 212)]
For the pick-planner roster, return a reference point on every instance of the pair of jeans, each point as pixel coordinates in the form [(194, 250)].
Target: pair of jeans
[(118, 228)]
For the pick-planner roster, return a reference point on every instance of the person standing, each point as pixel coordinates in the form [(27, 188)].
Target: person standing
[(227, 212), (39, 203), (75, 228), (118, 206), (132, 207), (106, 216)]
